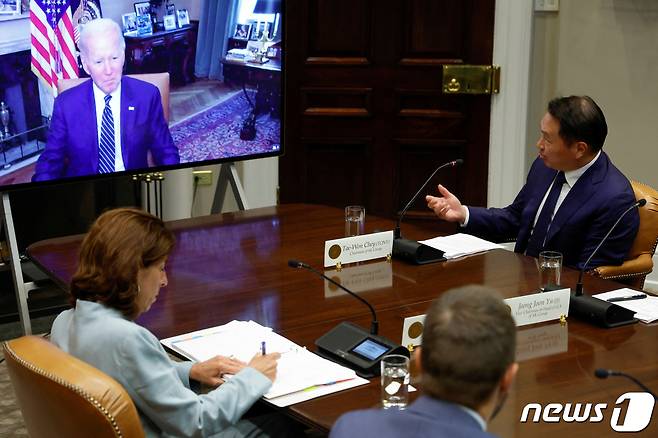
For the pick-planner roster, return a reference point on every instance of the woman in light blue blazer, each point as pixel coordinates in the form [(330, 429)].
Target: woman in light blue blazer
[(121, 270)]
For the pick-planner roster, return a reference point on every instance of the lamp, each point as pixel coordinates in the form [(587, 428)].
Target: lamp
[(269, 7)]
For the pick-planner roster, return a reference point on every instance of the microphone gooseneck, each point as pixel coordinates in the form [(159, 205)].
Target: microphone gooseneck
[(603, 374), (397, 234), (579, 285), (374, 325)]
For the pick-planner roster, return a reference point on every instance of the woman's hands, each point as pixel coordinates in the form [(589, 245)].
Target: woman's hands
[(266, 364), (210, 372)]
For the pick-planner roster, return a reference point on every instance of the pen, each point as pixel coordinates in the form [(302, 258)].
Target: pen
[(262, 348), (628, 298)]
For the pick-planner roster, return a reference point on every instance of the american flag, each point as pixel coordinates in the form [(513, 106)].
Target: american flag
[(53, 35)]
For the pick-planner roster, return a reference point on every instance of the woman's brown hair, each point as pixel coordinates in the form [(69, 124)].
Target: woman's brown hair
[(118, 244)]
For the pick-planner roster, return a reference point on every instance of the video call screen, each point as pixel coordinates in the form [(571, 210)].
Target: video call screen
[(242, 122)]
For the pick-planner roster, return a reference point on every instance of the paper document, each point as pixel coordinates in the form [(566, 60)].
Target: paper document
[(298, 369), (458, 245), (646, 309)]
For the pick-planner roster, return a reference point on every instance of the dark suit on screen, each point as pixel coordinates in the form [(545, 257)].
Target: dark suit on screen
[(587, 213), (72, 146), (426, 417)]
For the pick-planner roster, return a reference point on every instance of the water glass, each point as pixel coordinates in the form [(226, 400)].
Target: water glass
[(355, 220), (395, 381), (549, 264)]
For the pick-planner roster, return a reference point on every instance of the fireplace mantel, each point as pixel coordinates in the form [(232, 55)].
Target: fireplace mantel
[(15, 31)]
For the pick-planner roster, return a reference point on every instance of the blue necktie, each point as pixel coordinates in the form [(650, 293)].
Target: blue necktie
[(106, 145), (539, 233)]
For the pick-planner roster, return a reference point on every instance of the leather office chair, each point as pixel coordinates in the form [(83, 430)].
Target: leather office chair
[(61, 396), (639, 261), (160, 80)]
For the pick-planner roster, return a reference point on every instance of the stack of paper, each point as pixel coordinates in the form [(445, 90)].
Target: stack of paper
[(646, 309), (301, 374), (458, 245)]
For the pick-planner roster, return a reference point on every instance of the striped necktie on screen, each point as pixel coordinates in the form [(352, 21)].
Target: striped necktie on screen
[(106, 145)]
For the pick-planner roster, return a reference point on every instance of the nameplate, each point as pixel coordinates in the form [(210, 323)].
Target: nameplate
[(539, 307), (412, 330), (358, 248), (360, 278)]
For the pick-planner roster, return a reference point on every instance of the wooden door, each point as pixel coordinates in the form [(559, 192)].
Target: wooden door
[(366, 121)]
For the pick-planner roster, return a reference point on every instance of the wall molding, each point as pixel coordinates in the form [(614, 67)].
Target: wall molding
[(509, 109)]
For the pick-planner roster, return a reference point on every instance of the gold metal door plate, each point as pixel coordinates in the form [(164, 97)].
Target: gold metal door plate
[(471, 79)]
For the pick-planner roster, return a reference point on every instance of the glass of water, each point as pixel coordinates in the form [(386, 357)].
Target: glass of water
[(395, 381), (549, 264), (355, 220)]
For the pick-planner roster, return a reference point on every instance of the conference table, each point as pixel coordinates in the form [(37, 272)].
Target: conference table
[(234, 266)]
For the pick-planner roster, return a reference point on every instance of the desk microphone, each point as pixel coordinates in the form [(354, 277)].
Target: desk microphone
[(374, 325), (579, 286), (603, 374), (410, 249), (351, 345), (592, 309)]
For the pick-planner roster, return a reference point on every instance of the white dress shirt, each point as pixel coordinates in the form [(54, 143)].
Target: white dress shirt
[(115, 106)]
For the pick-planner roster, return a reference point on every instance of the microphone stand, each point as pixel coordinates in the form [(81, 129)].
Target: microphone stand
[(374, 325), (412, 250), (594, 310), (603, 374)]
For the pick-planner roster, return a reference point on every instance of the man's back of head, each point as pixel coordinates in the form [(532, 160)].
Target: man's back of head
[(469, 344)]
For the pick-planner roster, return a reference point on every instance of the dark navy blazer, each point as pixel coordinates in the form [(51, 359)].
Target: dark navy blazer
[(426, 417), (587, 213), (72, 146)]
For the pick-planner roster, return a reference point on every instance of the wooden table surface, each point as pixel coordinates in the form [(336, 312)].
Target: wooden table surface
[(234, 266)]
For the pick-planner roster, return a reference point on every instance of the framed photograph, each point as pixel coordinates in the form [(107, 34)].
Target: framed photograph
[(142, 8), (183, 17), (144, 25), (171, 9), (169, 22), (242, 31), (129, 23), (259, 29), (10, 7), (272, 52)]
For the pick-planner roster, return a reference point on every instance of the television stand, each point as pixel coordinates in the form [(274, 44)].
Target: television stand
[(228, 174), (20, 287)]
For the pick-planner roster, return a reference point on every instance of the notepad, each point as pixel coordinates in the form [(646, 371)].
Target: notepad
[(301, 374), (646, 310), (460, 244)]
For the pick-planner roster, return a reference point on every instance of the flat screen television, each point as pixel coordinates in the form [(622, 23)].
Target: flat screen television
[(244, 123)]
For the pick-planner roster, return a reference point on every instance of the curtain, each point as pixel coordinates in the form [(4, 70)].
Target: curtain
[(215, 23)]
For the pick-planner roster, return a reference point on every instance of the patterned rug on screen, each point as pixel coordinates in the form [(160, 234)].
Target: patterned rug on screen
[(215, 132)]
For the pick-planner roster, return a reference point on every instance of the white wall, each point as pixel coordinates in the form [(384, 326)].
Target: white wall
[(606, 49)]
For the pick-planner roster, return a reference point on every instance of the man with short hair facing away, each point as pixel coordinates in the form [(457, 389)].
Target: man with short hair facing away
[(110, 123), (572, 196), (467, 365)]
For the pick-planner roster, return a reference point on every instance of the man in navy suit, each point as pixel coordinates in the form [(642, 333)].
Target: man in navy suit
[(466, 367), (572, 197), (108, 124)]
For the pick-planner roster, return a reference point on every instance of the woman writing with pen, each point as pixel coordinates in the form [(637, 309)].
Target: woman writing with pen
[(120, 272)]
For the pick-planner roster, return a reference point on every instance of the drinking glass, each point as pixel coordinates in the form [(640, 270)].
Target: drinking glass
[(549, 264), (395, 381), (355, 219)]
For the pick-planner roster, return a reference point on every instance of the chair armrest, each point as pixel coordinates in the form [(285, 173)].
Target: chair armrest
[(641, 265)]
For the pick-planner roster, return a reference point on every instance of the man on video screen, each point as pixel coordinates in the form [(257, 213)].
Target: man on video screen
[(108, 124)]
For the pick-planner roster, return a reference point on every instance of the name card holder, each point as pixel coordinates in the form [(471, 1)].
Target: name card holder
[(358, 248)]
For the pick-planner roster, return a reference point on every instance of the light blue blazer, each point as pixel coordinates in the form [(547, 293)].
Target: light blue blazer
[(160, 387)]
